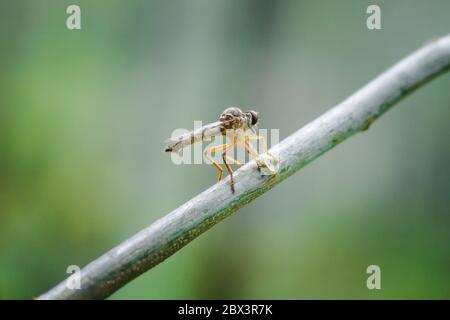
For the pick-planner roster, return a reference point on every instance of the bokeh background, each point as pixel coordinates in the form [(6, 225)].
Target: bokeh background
[(84, 114)]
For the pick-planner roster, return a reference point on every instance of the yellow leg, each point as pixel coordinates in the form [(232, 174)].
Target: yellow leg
[(215, 164), (225, 148), (251, 151), (224, 158), (234, 161), (254, 155), (229, 169), (262, 140), (258, 138)]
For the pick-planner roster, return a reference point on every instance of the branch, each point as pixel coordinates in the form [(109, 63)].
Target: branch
[(146, 249)]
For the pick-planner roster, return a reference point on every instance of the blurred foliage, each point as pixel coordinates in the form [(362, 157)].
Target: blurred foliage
[(83, 117)]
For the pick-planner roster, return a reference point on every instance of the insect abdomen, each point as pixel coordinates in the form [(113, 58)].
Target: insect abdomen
[(178, 143)]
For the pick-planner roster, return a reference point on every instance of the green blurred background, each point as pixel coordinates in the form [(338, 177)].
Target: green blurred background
[(84, 114)]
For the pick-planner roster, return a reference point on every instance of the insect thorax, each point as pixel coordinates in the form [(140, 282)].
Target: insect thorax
[(233, 118)]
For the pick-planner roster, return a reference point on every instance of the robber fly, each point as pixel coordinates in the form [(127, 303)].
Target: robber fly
[(239, 127)]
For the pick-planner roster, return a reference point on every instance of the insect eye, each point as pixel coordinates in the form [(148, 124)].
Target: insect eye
[(254, 116)]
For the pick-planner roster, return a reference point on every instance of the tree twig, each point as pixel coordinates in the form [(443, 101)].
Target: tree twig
[(111, 271)]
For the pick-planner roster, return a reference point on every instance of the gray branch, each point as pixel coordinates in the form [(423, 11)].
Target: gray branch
[(146, 249)]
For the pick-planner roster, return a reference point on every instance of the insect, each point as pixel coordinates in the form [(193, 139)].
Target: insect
[(239, 127)]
